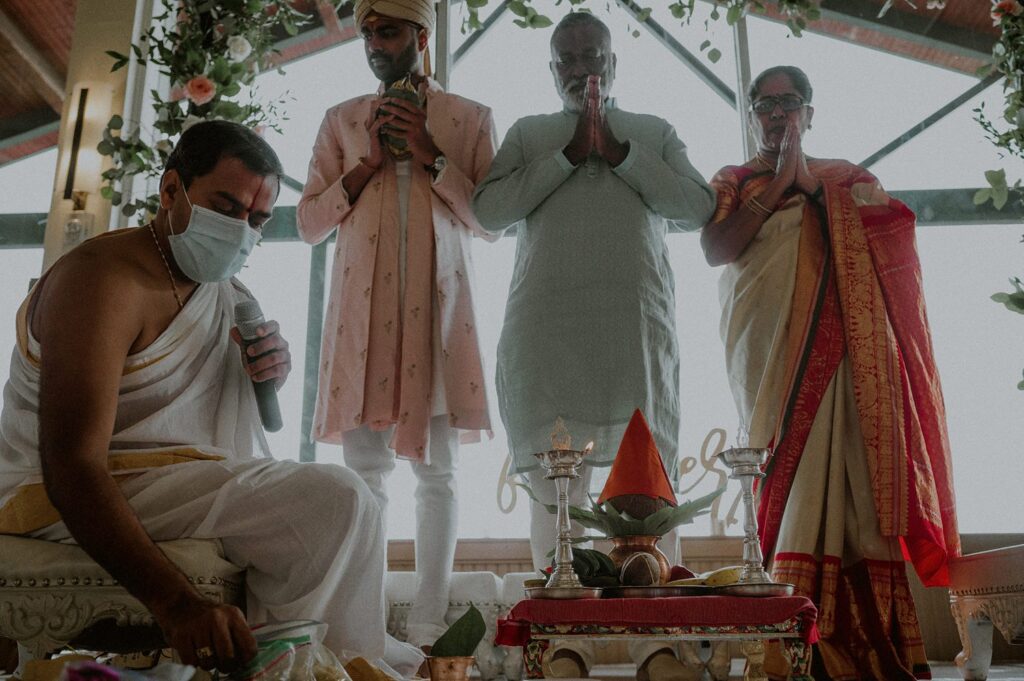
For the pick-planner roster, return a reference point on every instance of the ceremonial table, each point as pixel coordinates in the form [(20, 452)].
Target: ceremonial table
[(534, 623)]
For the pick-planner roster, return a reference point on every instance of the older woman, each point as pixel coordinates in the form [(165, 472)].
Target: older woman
[(830, 363)]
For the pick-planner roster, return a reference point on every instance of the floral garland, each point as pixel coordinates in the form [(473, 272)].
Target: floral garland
[(797, 13), (212, 52), (1007, 59)]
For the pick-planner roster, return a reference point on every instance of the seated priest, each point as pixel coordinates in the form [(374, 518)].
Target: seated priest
[(130, 418)]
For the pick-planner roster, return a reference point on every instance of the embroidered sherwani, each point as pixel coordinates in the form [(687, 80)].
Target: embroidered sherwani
[(377, 355)]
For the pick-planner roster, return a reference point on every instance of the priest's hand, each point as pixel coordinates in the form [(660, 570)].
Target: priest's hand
[(207, 634), (268, 357)]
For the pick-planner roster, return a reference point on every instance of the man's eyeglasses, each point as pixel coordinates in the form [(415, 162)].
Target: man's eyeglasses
[(768, 104)]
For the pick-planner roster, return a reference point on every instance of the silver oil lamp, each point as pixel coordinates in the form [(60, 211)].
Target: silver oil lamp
[(562, 464), (745, 464)]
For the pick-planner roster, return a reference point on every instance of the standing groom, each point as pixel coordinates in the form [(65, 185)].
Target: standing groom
[(400, 369)]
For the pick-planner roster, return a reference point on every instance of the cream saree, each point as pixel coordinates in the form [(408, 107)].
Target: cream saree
[(830, 363)]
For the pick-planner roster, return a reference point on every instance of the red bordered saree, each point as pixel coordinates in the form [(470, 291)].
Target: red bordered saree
[(830, 360)]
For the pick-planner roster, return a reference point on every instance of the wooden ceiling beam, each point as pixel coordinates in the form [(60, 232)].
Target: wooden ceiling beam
[(39, 73)]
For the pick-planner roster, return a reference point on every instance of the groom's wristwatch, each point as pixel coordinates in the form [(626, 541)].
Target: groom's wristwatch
[(439, 164)]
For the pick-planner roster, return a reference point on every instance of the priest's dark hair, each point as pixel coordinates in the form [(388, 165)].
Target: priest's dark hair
[(205, 143)]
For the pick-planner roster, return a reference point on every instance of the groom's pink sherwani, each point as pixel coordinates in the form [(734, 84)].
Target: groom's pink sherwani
[(376, 356)]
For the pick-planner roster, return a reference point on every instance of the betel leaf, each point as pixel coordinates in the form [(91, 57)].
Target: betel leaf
[(674, 516), (462, 637), (608, 520)]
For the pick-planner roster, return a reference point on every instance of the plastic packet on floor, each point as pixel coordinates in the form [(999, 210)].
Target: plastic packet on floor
[(286, 651), (94, 671)]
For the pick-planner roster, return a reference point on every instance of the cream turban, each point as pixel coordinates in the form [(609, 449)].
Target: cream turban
[(417, 11)]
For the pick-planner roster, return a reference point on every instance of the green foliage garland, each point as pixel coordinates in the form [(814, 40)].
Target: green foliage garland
[(1008, 60), (212, 51), (1007, 134), (1014, 301), (611, 523)]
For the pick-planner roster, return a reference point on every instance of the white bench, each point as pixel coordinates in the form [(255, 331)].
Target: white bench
[(986, 590), (53, 594)]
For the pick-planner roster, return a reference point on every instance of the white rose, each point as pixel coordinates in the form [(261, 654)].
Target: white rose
[(239, 48), (165, 146), (189, 121)]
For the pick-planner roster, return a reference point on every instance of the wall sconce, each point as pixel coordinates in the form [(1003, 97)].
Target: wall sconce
[(89, 111), (79, 223)]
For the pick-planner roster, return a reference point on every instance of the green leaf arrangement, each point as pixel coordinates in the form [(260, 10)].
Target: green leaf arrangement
[(1006, 129), (1014, 302), (611, 523), (211, 51), (594, 568), (462, 637)]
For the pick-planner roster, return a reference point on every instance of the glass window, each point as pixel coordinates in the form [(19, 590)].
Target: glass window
[(861, 103), (857, 111), (25, 186)]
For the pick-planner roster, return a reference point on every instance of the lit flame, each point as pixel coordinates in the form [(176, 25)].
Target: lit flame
[(560, 437)]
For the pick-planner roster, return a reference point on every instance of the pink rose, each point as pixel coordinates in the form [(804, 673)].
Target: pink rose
[(1005, 8), (200, 90)]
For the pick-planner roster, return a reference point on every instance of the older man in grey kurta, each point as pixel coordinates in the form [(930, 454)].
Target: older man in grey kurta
[(589, 331)]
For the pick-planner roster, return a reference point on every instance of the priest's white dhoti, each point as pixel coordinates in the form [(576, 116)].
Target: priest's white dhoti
[(189, 455)]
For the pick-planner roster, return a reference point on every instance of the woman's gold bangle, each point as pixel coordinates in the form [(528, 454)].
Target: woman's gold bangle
[(758, 208)]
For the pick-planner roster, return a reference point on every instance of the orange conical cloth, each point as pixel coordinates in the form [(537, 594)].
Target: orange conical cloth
[(638, 468)]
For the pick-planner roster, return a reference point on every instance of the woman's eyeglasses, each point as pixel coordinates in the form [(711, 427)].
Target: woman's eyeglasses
[(768, 104)]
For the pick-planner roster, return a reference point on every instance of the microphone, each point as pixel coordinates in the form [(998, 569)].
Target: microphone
[(248, 317)]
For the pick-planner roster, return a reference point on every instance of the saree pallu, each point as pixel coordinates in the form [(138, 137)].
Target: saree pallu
[(830, 362)]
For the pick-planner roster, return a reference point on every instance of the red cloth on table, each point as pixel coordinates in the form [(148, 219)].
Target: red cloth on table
[(688, 611)]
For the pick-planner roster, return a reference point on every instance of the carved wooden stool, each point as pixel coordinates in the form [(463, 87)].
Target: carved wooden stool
[(53, 594), (986, 590)]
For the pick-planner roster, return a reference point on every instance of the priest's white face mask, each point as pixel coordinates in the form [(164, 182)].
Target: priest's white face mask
[(213, 246)]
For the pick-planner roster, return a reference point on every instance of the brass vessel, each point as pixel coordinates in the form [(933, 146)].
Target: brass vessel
[(624, 547), (450, 668)]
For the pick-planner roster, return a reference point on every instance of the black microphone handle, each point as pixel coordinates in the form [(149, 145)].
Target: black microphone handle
[(248, 317), (266, 400)]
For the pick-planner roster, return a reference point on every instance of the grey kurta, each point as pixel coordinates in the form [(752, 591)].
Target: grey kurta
[(589, 331)]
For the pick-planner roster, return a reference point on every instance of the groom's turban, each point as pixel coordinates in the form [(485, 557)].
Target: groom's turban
[(420, 12)]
